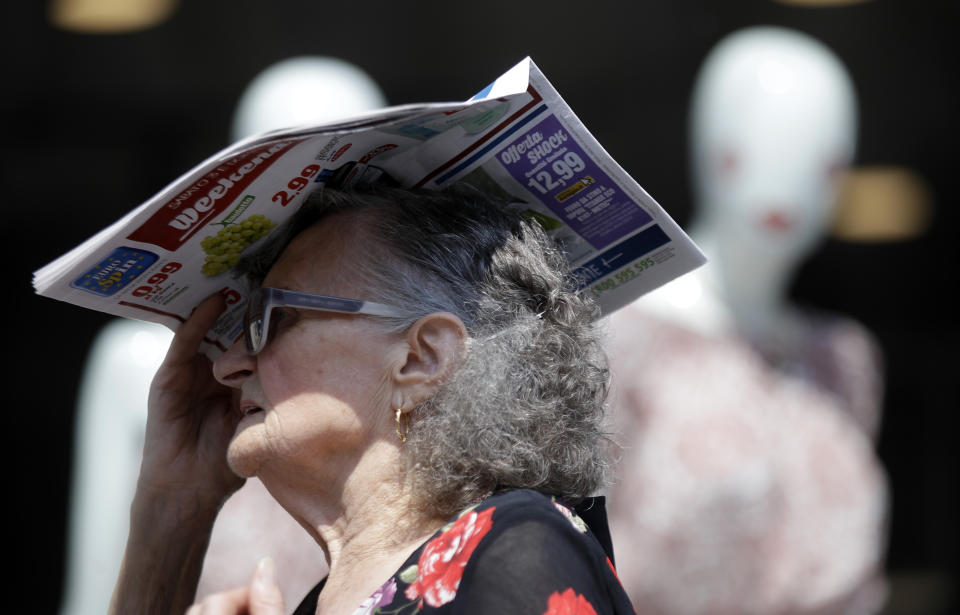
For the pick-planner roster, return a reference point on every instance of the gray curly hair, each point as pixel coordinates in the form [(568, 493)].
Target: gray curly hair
[(526, 407)]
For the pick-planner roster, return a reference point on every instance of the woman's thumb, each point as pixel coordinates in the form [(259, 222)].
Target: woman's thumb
[(265, 596)]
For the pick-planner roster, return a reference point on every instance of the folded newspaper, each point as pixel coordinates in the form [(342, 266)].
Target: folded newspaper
[(516, 139)]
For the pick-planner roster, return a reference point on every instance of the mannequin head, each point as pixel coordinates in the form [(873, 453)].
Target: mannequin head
[(302, 90), (773, 126)]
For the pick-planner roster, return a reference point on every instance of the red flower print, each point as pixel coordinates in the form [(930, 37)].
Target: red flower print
[(442, 561), (568, 603)]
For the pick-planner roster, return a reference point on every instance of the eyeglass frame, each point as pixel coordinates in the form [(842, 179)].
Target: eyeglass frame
[(261, 301)]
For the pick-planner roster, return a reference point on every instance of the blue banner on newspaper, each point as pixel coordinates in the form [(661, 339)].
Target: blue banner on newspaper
[(621, 255)]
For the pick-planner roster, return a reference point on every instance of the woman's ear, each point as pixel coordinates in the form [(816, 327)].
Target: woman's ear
[(434, 346)]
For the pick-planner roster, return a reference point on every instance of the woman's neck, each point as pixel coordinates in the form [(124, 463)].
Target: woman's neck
[(366, 520)]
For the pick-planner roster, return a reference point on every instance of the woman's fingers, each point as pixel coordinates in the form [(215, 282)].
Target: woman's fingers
[(189, 419), (265, 596), (190, 334), (231, 602), (262, 597)]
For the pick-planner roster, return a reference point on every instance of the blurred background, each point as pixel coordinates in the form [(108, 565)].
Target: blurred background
[(104, 105)]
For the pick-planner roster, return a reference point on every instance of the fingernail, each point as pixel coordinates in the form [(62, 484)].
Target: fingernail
[(265, 571)]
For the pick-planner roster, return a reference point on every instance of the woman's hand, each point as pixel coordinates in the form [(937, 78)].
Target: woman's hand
[(184, 477), (261, 597), (191, 419)]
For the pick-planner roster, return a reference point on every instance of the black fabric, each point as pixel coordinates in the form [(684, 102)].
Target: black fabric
[(518, 552), (594, 512), (308, 606)]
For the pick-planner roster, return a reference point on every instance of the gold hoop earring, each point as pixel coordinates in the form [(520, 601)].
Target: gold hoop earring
[(406, 425)]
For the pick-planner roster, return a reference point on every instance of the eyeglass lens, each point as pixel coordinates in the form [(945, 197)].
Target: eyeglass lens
[(254, 321)]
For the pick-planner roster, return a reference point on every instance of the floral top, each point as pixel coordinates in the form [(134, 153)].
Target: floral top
[(517, 552)]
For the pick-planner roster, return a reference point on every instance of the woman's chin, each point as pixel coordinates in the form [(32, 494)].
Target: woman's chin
[(242, 458)]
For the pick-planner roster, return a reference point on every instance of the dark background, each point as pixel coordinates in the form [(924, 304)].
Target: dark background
[(94, 125)]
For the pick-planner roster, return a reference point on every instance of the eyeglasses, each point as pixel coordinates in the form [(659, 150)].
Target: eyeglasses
[(256, 321)]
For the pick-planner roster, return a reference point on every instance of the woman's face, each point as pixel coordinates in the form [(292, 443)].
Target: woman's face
[(318, 396)]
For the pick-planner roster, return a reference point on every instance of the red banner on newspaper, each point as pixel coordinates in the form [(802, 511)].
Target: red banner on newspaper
[(176, 221)]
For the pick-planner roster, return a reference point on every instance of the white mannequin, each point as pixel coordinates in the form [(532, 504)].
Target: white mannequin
[(773, 129), (773, 124), (748, 482), (111, 408)]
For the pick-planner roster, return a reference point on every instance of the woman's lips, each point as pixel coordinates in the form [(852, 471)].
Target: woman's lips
[(248, 407)]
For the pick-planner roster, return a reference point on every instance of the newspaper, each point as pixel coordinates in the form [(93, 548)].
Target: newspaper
[(516, 139)]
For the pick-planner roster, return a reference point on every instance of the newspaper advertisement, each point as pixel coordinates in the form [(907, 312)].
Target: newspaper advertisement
[(516, 139)]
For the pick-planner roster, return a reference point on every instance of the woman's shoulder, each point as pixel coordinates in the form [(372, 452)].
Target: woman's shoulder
[(526, 506), (523, 551), (524, 515), (519, 551), (528, 500)]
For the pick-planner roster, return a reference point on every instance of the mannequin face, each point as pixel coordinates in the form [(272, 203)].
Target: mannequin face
[(773, 128)]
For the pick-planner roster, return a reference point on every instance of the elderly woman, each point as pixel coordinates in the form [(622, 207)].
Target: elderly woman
[(432, 431)]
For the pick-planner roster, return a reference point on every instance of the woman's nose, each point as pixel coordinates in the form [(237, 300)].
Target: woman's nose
[(235, 365)]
